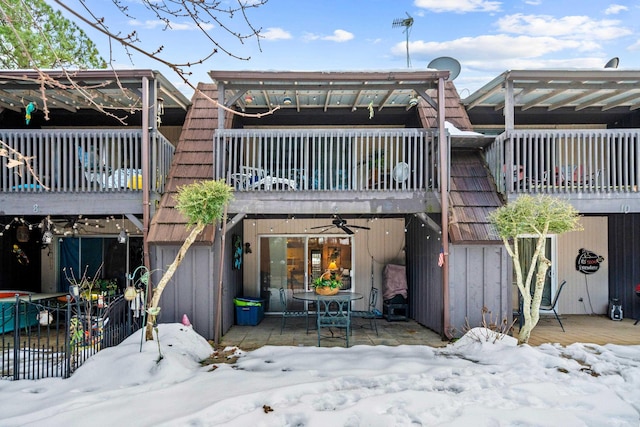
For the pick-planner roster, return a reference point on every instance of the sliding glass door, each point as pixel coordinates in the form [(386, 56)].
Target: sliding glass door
[(291, 263)]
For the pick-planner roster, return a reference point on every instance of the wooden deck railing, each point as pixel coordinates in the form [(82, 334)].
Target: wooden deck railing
[(82, 160), (566, 161), (327, 159)]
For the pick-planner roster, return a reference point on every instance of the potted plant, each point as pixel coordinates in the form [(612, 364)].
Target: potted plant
[(327, 284), (107, 286)]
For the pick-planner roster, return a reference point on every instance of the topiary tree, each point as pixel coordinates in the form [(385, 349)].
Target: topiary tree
[(202, 203), (538, 216)]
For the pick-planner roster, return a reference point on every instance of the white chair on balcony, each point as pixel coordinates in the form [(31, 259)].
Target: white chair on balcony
[(257, 178), (99, 172), (94, 169)]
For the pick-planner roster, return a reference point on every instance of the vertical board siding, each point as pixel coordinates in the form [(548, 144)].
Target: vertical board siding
[(195, 291), (479, 278), (592, 288), (423, 275), (624, 268)]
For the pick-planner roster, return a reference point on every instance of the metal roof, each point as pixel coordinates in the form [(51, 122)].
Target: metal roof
[(266, 90), (74, 90), (604, 89)]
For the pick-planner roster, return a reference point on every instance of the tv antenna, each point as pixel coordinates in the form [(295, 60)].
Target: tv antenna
[(406, 23)]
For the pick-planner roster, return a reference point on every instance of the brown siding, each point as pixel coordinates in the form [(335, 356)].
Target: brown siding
[(472, 197), (455, 112), (193, 161)]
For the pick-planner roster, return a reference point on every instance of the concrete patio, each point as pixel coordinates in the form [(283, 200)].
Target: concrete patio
[(597, 329)]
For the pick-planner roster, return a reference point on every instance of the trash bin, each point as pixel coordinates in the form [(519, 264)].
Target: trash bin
[(249, 311)]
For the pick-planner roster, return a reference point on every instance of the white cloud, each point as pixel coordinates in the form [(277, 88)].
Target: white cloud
[(570, 27), (536, 63), (275, 34), (310, 37), (491, 48), (615, 9), (533, 2), (339, 36), (458, 6), (153, 24), (635, 46)]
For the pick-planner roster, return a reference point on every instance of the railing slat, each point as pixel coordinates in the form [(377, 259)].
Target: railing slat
[(83, 160), (325, 159), (566, 161)]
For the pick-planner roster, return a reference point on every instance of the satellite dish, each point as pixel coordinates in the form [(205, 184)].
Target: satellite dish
[(613, 63), (446, 63), (401, 172)]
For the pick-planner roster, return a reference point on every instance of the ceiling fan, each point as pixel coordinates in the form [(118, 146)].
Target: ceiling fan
[(341, 224)]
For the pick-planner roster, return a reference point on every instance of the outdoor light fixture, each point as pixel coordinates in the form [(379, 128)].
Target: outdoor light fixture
[(22, 234), (47, 237), (74, 290), (159, 110), (160, 102), (413, 101), (248, 99), (286, 100), (332, 266), (122, 237)]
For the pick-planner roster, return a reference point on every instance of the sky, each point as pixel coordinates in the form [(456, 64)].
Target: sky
[(480, 380), (487, 37)]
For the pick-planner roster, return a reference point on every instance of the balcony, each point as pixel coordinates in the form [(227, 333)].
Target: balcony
[(81, 166), (324, 170), (591, 168)]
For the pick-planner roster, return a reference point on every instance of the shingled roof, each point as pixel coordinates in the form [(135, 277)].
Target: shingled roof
[(472, 197), (193, 161), (455, 112)]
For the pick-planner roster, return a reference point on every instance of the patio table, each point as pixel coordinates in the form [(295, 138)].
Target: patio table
[(323, 304), (312, 296)]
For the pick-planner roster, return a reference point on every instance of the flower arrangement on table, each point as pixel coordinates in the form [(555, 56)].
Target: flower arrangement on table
[(327, 284)]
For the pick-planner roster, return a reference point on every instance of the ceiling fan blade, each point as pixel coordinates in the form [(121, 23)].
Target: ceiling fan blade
[(346, 229), (360, 226), (321, 226)]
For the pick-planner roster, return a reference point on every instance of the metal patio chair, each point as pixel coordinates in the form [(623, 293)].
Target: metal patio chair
[(552, 306), (369, 314), (286, 313), (334, 313)]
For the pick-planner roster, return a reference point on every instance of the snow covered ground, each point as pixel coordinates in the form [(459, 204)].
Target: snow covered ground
[(479, 381)]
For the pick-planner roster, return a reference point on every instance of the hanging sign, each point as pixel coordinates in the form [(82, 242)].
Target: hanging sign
[(588, 262)]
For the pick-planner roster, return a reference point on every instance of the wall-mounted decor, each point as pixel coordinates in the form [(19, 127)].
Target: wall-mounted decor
[(588, 262), (236, 241)]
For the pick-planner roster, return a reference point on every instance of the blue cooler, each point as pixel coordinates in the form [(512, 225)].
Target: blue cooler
[(249, 311)]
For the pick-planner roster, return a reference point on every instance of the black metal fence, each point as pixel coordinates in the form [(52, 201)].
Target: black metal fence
[(53, 337)]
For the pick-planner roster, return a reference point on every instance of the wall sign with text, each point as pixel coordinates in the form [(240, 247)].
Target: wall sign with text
[(588, 262)]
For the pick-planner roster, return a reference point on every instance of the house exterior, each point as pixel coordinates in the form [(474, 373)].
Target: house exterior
[(573, 134), (348, 171), (342, 169), (100, 147)]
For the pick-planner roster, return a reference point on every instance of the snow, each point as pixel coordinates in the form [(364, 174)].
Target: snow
[(483, 379), (454, 131)]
